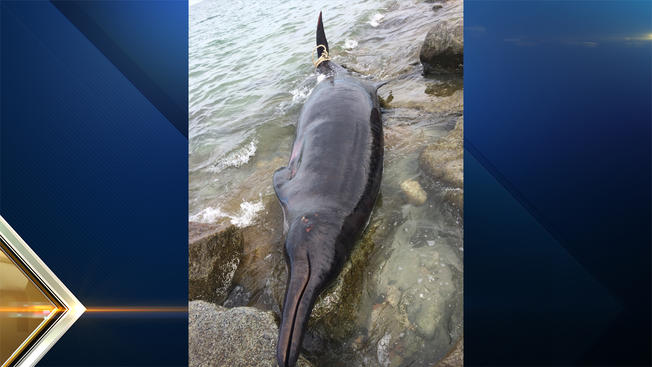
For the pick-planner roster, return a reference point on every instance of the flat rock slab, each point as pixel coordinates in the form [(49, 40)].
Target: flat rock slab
[(241, 336), (233, 337)]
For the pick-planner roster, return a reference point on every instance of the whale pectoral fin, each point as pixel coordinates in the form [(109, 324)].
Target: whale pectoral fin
[(281, 178)]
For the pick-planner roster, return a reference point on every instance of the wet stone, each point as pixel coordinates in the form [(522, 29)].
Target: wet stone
[(237, 337), (213, 260), (262, 270), (443, 48), (422, 299), (444, 162), (238, 297), (413, 192)]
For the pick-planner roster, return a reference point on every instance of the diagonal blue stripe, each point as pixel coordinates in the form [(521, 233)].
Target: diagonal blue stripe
[(518, 276), (526, 204), (95, 178), (146, 49)]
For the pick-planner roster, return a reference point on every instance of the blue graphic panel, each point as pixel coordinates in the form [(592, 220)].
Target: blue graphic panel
[(557, 182), (148, 43), (94, 177)]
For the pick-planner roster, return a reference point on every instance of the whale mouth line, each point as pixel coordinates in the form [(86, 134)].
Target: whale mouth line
[(295, 313)]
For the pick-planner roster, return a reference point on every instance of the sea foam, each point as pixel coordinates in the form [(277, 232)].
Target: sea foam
[(350, 44), (245, 217), (375, 20), (237, 158)]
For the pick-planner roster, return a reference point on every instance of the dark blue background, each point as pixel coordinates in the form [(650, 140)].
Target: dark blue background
[(93, 166), (557, 183)]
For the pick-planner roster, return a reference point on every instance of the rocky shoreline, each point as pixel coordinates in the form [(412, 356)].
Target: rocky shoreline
[(237, 275)]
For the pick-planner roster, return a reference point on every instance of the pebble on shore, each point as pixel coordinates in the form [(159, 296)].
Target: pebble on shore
[(413, 192)]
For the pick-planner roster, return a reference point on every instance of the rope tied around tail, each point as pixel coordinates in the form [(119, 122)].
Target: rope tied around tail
[(324, 55)]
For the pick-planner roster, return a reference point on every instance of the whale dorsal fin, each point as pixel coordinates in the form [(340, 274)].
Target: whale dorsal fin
[(321, 37)]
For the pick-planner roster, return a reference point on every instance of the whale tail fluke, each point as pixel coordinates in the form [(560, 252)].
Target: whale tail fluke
[(321, 37)]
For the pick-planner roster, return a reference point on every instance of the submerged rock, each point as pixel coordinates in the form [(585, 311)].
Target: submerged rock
[(445, 97), (421, 303), (443, 48), (213, 260), (444, 88), (455, 196), (413, 192), (455, 358), (383, 350), (444, 162), (238, 337)]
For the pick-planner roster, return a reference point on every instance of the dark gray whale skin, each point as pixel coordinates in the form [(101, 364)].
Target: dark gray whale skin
[(327, 192)]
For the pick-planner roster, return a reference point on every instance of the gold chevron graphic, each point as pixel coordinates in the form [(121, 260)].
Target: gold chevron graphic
[(36, 309)]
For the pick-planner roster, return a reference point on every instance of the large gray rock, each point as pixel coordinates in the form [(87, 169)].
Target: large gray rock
[(233, 337), (443, 48), (213, 260), (241, 336)]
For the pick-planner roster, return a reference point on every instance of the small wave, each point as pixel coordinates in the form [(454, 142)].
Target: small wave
[(350, 44), (248, 211), (208, 215), (244, 218), (300, 94), (375, 21), (237, 158)]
